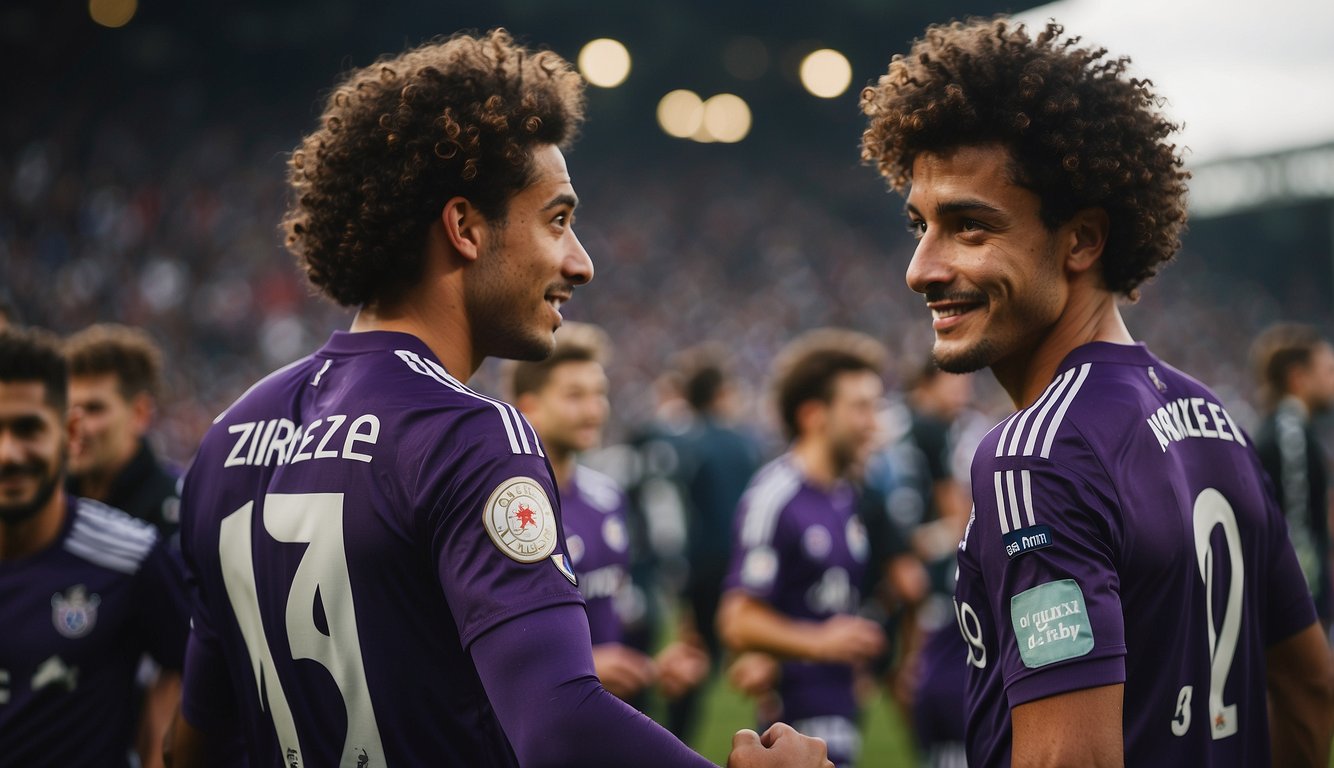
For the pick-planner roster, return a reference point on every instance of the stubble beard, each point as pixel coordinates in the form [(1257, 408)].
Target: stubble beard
[(974, 358), (11, 514), (498, 326)]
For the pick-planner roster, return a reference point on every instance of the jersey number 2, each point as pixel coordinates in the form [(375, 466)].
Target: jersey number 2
[(315, 519), (1213, 510)]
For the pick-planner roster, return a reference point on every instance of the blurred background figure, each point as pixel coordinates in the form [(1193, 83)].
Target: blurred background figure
[(85, 589), (916, 505), (715, 462), (799, 551), (115, 380), (565, 399), (1295, 365)]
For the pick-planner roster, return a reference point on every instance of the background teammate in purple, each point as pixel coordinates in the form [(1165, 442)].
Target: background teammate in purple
[(380, 572), (85, 590), (1126, 587), (799, 550), (564, 397)]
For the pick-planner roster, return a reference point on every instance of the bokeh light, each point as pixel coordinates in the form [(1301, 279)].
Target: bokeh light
[(826, 73), (112, 13), (727, 118), (604, 62), (681, 113)]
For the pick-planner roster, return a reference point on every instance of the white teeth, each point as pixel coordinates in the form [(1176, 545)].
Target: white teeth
[(949, 311)]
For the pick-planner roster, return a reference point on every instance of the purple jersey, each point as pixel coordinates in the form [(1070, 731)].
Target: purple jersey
[(351, 525), (1122, 533), (79, 615), (802, 550), (593, 512)]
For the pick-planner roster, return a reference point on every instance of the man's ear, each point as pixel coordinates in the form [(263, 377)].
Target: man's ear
[(1086, 234), (466, 229), (811, 416)]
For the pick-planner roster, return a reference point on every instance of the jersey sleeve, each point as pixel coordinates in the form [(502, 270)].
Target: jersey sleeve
[(162, 606), (1047, 560), (493, 524), (757, 551)]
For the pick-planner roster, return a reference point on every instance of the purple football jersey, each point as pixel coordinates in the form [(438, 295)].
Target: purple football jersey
[(1122, 533), (351, 525), (802, 550), (593, 513), (79, 615)]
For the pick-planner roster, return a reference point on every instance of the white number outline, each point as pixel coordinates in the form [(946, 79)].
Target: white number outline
[(963, 612), (315, 519)]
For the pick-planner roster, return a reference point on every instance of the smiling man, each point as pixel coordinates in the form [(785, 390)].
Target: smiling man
[(1126, 587), (380, 568), (85, 589)]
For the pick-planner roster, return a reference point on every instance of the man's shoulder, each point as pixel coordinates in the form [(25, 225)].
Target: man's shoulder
[(600, 490), (109, 537)]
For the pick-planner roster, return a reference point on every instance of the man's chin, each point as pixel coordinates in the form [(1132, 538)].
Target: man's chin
[(958, 358)]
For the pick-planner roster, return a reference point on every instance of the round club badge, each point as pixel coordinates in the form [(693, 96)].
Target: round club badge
[(519, 519)]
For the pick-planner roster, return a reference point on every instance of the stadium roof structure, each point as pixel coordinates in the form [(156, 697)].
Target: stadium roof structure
[(1251, 82)]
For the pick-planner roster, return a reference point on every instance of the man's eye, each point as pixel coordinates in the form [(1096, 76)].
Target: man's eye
[(972, 225), (916, 227)]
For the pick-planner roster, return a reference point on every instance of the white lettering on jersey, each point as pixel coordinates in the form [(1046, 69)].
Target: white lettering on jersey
[(279, 441), (1185, 418)]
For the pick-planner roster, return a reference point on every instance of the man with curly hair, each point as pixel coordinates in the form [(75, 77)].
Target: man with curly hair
[(380, 571), (1126, 587)]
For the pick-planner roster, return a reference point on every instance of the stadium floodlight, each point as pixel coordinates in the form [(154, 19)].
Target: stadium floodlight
[(826, 73), (604, 62), (681, 114), (112, 13), (727, 118)]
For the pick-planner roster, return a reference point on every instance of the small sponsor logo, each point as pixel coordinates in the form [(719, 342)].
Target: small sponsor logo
[(563, 566), (817, 542), (1028, 539), (75, 612)]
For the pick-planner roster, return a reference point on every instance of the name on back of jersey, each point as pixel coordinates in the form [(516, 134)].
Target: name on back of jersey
[(270, 442), (1185, 418)]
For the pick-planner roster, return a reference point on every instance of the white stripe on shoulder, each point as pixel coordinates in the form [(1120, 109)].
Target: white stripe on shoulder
[(514, 423), (998, 478), (773, 488), (110, 538), (601, 491), (1065, 406), (1020, 419)]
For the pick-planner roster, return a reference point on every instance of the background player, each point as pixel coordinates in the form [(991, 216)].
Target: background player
[(564, 397), (800, 551), (381, 576), (85, 589), (1126, 586), (1295, 365)]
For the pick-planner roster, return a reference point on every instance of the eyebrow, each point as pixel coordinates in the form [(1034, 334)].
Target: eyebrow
[(564, 198), (948, 207)]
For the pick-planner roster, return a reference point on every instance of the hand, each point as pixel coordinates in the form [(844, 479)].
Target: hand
[(681, 666), (845, 639), (779, 747), (622, 670), (754, 673)]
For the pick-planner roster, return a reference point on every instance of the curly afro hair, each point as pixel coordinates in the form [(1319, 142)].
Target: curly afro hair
[(399, 138), (1081, 133)]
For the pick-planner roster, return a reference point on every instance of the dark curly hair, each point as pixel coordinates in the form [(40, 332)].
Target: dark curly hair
[(1080, 132), (129, 354), (399, 138)]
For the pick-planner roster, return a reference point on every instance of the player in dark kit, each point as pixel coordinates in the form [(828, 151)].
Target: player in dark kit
[(381, 576), (1126, 587), (85, 589)]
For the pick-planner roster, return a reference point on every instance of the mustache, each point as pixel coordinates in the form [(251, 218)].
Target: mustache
[(11, 471), (934, 294)]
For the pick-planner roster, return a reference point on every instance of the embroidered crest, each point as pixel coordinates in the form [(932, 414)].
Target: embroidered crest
[(613, 532), (519, 519), (75, 612)]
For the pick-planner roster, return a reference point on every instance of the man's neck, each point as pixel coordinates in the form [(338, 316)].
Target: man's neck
[(98, 483), (562, 466), (1090, 315), (29, 536), (816, 462)]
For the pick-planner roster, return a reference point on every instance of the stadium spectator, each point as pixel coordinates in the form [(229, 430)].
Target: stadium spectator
[(380, 565), (799, 550), (1126, 587), (1295, 365), (85, 589), (115, 375)]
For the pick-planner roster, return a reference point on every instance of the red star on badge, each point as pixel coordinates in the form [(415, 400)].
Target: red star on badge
[(1219, 722), (525, 517)]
